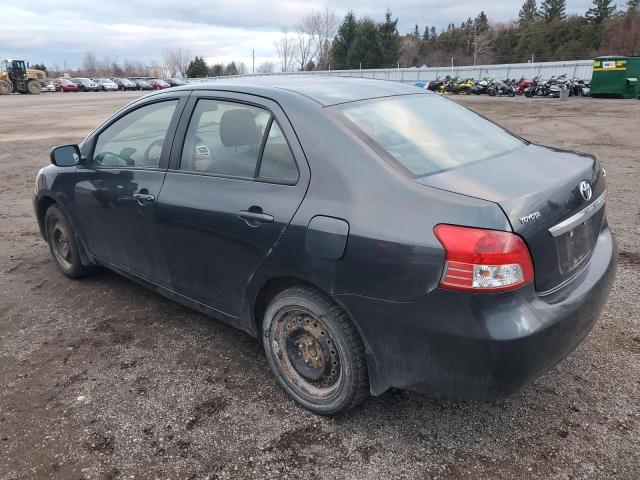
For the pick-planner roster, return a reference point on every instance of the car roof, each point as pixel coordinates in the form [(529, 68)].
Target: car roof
[(325, 90)]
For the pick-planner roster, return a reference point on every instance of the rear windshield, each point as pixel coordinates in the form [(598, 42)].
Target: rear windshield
[(426, 134)]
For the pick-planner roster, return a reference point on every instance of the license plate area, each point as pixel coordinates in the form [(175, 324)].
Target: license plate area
[(575, 246)]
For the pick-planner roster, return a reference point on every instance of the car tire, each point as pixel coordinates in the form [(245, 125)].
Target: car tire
[(315, 351), (63, 245)]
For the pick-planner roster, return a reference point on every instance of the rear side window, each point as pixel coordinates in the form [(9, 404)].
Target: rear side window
[(277, 160), (224, 138), (228, 138), (427, 134)]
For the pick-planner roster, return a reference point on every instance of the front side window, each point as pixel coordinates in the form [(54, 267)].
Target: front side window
[(224, 138), (425, 133), (135, 140)]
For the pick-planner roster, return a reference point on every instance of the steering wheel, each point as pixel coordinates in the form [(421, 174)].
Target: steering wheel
[(146, 157)]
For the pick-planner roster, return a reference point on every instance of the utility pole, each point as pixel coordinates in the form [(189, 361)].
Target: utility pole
[(451, 66), (253, 62)]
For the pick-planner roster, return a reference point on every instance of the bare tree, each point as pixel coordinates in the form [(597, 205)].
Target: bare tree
[(242, 68), (410, 51), (304, 47), (321, 26), (285, 47), (176, 61), (89, 64), (265, 67), (481, 44)]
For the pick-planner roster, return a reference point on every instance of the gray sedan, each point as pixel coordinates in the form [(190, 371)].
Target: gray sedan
[(371, 234)]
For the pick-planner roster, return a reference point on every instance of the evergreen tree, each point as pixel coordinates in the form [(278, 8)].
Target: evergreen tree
[(481, 23), (434, 32), (197, 68), (425, 35), (553, 10), (390, 41), (633, 7), (528, 12), (231, 69), (343, 42), (366, 50), (601, 10), (216, 70), (416, 31)]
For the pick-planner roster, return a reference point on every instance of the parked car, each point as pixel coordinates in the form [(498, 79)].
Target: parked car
[(125, 84), (175, 82), (49, 87), (105, 84), (85, 84), (158, 84), (445, 255), (142, 84), (65, 85)]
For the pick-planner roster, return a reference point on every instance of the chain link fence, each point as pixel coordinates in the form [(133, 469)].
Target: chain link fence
[(581, 69)]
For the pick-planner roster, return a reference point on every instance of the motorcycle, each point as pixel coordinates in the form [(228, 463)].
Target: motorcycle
[(500, 88), (521, 85), (580, 88), (480, 87), (537, 88), (464, 88)]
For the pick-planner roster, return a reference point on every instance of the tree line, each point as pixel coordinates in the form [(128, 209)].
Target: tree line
[(542, 32), (321, 40)]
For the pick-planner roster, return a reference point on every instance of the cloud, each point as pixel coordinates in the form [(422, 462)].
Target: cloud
[(61, 32)]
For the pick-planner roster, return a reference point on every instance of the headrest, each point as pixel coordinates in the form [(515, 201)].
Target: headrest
[(238, 128)]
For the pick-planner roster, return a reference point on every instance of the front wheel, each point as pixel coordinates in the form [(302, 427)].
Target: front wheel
[(33, 87), (5, 88), (315, 351), (62, 244)]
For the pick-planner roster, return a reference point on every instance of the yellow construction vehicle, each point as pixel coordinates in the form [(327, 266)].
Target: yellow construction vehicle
[(16, 77)]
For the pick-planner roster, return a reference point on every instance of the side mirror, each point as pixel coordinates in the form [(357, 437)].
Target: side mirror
[(65, 155)]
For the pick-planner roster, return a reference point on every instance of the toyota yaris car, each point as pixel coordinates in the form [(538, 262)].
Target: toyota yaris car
[(372, 234)]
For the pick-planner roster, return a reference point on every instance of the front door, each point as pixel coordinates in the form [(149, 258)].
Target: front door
[(230, 192), (118, 188)]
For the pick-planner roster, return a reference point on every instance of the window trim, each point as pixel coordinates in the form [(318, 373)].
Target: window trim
[(179, 146), (166, 149)]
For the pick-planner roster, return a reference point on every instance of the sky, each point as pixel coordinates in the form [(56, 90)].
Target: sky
[(59, 32)]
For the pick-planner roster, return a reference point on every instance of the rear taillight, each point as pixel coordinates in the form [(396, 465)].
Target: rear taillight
[(479, 260)]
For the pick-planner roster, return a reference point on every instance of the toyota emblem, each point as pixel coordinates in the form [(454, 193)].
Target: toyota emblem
[(585, 190)]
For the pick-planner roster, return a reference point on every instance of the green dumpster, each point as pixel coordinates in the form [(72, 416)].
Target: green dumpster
[(616, 77)]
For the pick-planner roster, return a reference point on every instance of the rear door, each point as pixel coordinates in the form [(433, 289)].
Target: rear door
[(236, 178), (118, 186)]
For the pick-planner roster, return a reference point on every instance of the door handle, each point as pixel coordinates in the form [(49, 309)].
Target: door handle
[(144, 198), (255, 216)]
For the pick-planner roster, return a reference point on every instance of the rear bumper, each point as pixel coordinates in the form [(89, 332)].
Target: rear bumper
[(481, 346)]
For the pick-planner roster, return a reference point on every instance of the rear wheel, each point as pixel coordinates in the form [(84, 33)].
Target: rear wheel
[(33, 86), (62, 244), (5, 88), (315, 351)]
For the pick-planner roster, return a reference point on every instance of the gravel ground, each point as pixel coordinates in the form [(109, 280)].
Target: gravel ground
[(103, 379)]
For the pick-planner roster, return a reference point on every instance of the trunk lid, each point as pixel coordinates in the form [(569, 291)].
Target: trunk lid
[(538, 188)]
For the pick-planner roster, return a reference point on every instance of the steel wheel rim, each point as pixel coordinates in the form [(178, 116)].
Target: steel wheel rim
[(60, 242), (306, 354)]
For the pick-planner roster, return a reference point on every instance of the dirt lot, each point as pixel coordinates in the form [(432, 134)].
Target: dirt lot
[(103, 379)]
